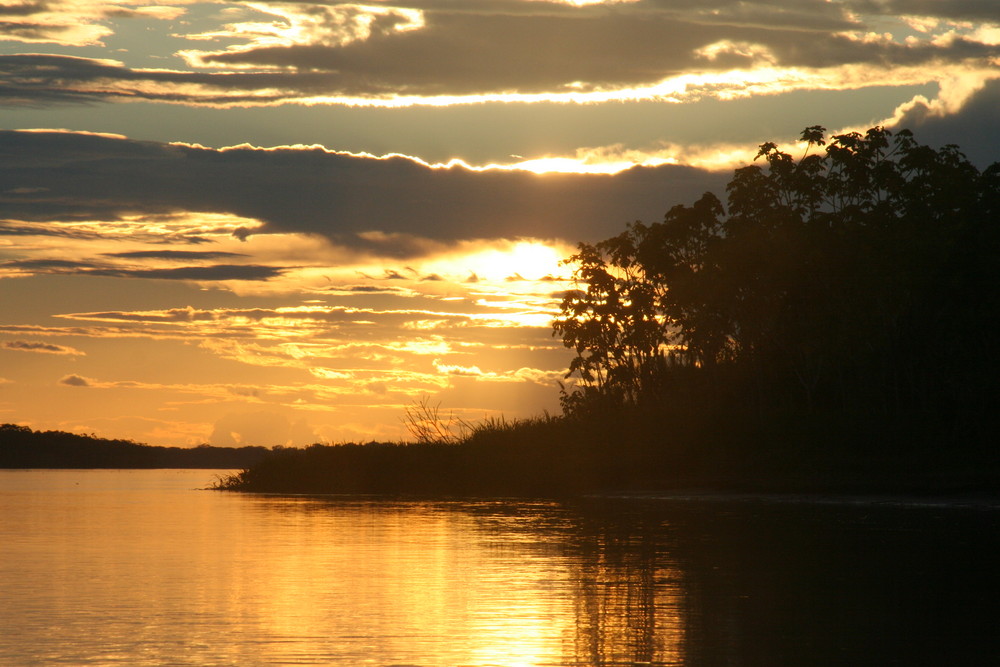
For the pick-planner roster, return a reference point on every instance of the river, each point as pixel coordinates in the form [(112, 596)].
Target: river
[(145, 567)]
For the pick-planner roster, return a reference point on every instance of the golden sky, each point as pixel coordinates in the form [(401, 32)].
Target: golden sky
[(285, 222)]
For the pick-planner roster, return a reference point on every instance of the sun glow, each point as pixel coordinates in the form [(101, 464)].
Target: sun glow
[(527, 260), (578, 165)]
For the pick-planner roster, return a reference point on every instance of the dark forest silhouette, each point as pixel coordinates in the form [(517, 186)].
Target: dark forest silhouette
[(831, 328), (21, 447), (845, 305), (858, 281)]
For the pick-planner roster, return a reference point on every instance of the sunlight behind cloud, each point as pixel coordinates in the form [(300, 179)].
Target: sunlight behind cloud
[(584, 3), (583, 164), (343, 326), (528, 260)]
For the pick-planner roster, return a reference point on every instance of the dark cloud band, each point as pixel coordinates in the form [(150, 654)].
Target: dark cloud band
[(339, 196)]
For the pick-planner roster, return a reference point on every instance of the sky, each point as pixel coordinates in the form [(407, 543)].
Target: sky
[(280, 223)]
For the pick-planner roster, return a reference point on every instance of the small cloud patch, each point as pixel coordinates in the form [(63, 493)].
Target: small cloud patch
[(174, 254), (44, 348), (75, 381)]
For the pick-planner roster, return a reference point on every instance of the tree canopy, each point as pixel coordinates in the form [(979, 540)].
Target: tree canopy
[(860, 277)]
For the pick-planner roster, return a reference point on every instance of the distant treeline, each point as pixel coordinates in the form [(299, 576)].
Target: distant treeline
[(21, 447)]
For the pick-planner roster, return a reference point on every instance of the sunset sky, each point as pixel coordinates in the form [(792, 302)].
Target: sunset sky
[(285, 222)]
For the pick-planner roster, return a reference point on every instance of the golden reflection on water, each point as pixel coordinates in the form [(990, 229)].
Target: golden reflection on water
[(628, 608), (404, 578), (474, 588), (109, 567)]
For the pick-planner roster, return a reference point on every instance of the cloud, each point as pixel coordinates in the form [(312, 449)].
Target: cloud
[(934, 123), (315, 24), (462, 53), (180, 227), (75, 381), (173, 315), (72, 22), (444, 52), (954, 10), (220, 272), (48, 265), (354, 200), (328, 330), (33, 79), (196, 273), (350, 348), (175, 254), (45, 348), (452, 369)]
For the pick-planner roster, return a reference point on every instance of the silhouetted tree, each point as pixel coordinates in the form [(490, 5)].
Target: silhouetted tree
[(859, 277)]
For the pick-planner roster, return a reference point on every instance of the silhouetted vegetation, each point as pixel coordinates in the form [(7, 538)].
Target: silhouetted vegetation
[(832, 327), (21, 447), (841, 312)]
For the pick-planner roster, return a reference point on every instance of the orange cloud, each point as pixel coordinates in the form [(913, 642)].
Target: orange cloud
[(44, 348)]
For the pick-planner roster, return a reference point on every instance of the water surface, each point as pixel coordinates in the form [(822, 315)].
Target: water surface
[(143, 568)]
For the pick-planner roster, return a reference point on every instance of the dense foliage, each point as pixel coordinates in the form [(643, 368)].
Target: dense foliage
[(859, 281)]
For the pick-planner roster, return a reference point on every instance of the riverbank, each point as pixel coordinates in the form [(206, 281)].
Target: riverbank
[(559, 457)]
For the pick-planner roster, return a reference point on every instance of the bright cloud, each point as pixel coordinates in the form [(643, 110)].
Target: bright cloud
[(416, 53), (295, 24), (74, 22)]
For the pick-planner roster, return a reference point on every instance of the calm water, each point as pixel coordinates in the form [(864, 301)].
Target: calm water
[(141, 568)]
